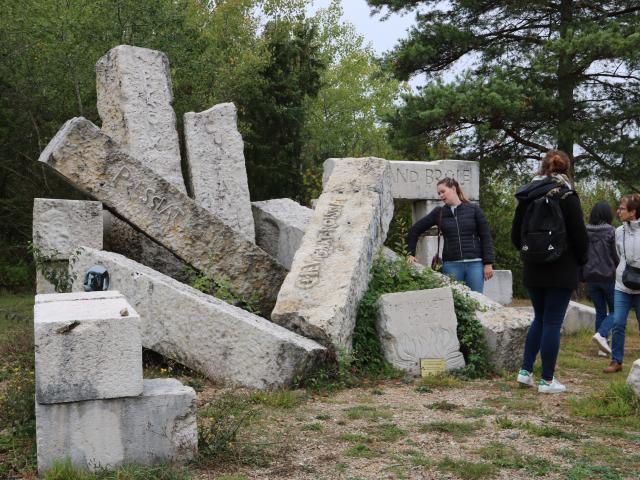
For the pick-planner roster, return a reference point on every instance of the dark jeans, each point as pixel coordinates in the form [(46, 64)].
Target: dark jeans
[(549, 307), (601, 294)]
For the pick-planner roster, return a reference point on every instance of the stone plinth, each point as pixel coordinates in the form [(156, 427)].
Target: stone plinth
[(280, 226), (134, 102), (157, 427), (500, 287), (92, 162), (419, 324), (215, 152), (578, 317), (418, 180), (87, 347), (330, 270), (226, 343), (633, 380)]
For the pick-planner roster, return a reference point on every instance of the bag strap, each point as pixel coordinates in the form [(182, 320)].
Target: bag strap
[(439, 229)]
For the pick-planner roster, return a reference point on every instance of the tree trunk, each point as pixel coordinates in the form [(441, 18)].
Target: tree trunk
[(566, 83)]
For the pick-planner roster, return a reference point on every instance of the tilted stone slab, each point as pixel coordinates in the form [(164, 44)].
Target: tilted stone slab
[(500, 287), (330, 271), (134, 93), (418, 180), (633, 379), (578, 317), (215, 152), (419, 324), (280, 226), (92, 162), (120, 237), (87, 347), (157, 427), (227, 344)]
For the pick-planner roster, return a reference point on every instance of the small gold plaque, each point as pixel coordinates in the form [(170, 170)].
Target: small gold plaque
[(431, 366)]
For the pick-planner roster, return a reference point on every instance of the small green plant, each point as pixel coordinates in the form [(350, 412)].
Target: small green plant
[(388, 432), (64, 470), (366, 412), (444, 406), (280, 398), (503, 456), (312, 427), (56, 272), (476, 412), (465, 469), (453, 428), (360, 451)]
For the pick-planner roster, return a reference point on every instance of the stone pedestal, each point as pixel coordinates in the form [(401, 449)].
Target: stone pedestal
[(500, 287), (87, 347)]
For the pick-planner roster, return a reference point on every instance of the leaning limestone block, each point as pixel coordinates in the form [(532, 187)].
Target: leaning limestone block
[(578, 317), (157, 427), (92, 162), (134, 92), (122, 238), (227, 344), (500, 287), (419, 324), (418, 180), (215, 152), (280, 226), (633, 380), (87, 347), (330, 271), (61, 226)]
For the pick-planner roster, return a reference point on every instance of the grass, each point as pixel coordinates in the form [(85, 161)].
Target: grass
[(63, 470), (453, 428), (465, 469), (441, 381), (616, 402), (503, 456), (367, 412), (545, 430), (444, 406)]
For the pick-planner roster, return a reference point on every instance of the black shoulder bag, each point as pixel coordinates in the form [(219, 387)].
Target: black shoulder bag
[(630, 275)]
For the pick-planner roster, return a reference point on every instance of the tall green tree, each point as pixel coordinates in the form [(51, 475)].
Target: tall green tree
[(530, 76)]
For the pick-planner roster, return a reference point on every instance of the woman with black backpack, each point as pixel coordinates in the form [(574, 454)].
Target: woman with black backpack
[(600, 271), (548, 229)]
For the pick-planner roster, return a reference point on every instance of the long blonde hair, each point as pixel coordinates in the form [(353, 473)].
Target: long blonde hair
[(453, 183)]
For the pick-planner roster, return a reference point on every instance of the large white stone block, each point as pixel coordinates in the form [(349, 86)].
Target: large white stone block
[(330, 271), (280, 226), (633, 380), (215, 152), (419, 324), (61, 226), (227, 344), (134, 93), (157, 427), (500, 287), (578, 317), (87, 346), (418, 180), (94, 163)]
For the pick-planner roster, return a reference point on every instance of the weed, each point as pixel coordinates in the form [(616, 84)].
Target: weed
[(323, 416), (366, 412), (360, 451), (280, 398), (444, 406), (476, 412), (586, 471), (503, 456), (617, 401), (389, 432), (505, 423), (312, 427), (465, 469), (455, 429), (442, 380), (64, 470), (353, 438), (417, 458), (423, 389), (377, 391)]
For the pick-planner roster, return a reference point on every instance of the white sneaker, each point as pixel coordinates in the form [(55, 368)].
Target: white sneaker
[(526, 378), (601, 342), (554, 387), (602, 354)]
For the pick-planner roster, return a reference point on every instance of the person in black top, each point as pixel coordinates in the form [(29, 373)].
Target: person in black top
[(550, 284), (468, 249)]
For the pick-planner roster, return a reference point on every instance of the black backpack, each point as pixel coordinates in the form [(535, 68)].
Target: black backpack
[(544, 233)]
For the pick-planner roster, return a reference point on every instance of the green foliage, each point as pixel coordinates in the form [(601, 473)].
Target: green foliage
[(64, 470), (55, 272), (616, 401), (221, 288), (465, 469), (535, 75)]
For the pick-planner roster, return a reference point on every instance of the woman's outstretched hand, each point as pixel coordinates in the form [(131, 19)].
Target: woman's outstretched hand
[(411, 259)]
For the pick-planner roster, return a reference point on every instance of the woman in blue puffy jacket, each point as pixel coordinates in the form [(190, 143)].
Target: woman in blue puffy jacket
[(468, 249)]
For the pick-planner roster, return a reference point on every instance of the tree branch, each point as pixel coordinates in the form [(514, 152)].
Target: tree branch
[(524, 141)]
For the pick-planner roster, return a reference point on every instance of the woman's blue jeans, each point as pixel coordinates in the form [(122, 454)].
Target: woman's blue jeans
[(601, 294), (622, 304), (471, 273), (549, 307)]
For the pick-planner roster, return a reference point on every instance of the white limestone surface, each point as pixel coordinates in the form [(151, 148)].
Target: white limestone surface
[(134, 93), (87, 347), (419, 324), (578, 317), (500, 287), (418, 180), (633, 379), (215, 152), (280, 226), (158, 426), (95, 164), (227, 344), (330, 271), (61, 226)]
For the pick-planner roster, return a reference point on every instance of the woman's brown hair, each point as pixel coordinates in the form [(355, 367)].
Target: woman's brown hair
[(632, 203), (453, 183), (555, 161)]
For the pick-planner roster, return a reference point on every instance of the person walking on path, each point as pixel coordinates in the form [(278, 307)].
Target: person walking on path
[(468, 248), (599, 272), (628, 247), (550, 273)]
